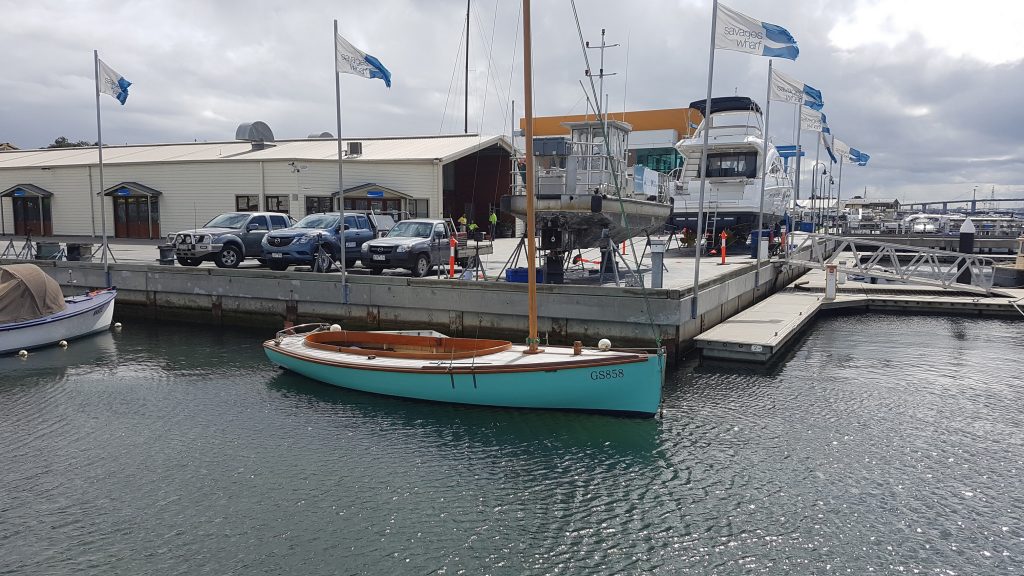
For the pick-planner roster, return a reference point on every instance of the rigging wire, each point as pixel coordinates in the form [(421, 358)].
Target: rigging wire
[(455, 69)]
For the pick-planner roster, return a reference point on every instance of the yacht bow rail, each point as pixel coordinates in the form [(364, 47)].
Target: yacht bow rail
[(875, 259)]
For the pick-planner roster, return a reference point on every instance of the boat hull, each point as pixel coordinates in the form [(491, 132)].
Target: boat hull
[(627, 388), (587, 216), (84, 315)]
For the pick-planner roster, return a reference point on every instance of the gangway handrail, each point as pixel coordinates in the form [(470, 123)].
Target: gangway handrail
[(927, 266)]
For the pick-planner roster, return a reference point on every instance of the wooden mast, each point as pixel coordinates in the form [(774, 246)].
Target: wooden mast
[(531, 222)]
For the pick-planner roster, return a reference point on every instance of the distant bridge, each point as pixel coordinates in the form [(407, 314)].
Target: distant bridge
[(973, 202)]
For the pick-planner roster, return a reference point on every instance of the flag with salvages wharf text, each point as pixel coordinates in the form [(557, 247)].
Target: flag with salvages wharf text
[(739, 32), (113, 83), (783, 88), (352, 60)]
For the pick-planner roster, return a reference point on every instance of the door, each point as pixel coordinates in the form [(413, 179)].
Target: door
[(439, 249), (255, 229), (136, 217), (32, 216)]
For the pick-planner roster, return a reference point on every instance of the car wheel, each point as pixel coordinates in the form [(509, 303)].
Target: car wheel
[(228, 257), (422, 266), (185, 261), (277, 266), (376, 270)]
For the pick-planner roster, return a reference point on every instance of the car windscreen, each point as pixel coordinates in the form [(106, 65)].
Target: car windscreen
[(411, 230), (228, 221), (318, 221)]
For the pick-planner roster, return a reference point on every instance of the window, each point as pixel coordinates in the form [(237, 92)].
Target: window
[(448, 178), (660, 159), (277, 204), (318, 204), (259, 222), (418, 208), (278, 222), (732, 165), (364, 224), (350, 221), (247, 203)]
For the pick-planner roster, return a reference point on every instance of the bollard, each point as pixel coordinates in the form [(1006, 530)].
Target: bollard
[(830, 281), (452, 243), (723, 235), (966, 247), (657, 262)]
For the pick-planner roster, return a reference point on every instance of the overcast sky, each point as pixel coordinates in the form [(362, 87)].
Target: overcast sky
[(934, 92)]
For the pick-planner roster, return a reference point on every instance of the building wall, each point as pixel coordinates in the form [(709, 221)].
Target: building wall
[(678, 119), (194, 192)]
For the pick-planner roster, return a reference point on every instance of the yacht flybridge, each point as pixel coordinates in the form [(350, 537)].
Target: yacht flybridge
[(732, 192)]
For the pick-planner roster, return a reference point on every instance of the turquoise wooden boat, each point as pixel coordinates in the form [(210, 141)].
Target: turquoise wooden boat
[(475, 371)]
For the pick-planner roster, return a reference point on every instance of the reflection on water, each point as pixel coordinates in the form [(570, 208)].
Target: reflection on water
[(884, 443)]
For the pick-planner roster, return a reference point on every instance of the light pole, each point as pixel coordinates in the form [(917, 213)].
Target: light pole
[(816, 190)]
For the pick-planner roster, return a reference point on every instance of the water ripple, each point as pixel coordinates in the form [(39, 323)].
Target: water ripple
[(882, 444)]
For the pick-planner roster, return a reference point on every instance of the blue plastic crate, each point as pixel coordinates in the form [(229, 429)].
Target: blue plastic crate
[(522, 275)]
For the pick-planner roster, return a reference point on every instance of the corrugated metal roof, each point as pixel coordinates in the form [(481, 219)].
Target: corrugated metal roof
[(443, 148)]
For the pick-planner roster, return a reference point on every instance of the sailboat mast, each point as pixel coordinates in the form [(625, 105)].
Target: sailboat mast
[(465, 109), (531, 222)]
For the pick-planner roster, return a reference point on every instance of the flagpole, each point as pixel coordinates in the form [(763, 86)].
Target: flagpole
[(764, 172), (799, 151), (814, 176), (99, 145), (341, 182), (703, 167)]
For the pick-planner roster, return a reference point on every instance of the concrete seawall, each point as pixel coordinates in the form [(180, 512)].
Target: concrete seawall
[(265, 299)]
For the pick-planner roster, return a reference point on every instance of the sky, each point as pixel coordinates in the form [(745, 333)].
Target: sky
[(932, 93)]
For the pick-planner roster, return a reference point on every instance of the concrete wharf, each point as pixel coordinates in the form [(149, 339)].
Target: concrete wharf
[(586, 311)]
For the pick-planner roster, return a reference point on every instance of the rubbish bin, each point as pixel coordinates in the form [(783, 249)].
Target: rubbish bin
[(166, 254), (47, 250), (77, 252), (764, 236)]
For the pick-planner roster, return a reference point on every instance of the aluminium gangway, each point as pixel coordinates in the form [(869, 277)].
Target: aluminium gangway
[(875, 259)]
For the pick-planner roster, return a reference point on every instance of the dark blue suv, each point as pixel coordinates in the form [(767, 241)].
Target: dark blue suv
[(298, 245)]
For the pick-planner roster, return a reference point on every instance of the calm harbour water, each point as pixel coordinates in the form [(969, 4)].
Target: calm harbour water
[(884, 444)]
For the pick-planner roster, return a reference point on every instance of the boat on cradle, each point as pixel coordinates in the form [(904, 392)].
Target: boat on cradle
[(732, 194), (587, 195), (481, 371), (34, 312), (473, 371)]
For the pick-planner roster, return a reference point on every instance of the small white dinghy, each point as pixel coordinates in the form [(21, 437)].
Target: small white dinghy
[(34, 312)]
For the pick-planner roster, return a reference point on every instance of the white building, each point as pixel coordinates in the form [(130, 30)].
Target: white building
[(151, 190)]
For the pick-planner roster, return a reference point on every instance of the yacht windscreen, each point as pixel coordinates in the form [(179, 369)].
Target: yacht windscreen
[(732, 165)]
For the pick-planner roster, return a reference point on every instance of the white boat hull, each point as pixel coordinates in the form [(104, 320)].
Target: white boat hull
[(85, 315)]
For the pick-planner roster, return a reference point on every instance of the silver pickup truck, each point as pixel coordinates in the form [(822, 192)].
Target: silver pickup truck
[(418, 245), (228, 239)]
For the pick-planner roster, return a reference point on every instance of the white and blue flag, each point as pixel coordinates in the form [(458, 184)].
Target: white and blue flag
[(785, 88), (827, 144), (859, 157), (113, 83), (812, 120), (352, 60), (739, 32)]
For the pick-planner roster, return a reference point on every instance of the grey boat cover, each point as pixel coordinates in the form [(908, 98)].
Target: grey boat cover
[(27, 293)]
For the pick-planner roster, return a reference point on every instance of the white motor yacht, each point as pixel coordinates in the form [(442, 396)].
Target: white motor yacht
[(732, 195)]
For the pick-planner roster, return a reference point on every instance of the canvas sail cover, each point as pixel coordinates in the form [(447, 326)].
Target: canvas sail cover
[(27, 293)]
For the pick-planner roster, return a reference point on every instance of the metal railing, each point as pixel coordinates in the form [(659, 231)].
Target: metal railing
[(875, 259)]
